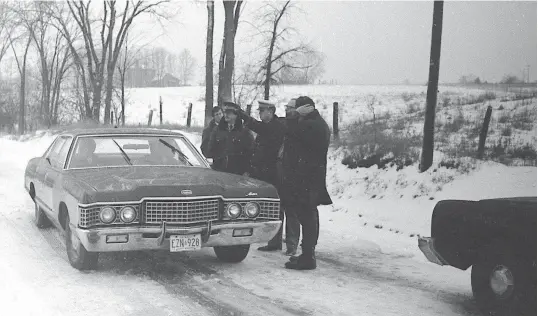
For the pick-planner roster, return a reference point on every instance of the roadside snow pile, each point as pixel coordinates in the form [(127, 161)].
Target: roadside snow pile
[(27, 147), (402, 201)]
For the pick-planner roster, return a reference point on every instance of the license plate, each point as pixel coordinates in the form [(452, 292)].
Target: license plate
[(185, 242)]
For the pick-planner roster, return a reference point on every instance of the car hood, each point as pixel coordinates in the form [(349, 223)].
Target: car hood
[(135, 183)]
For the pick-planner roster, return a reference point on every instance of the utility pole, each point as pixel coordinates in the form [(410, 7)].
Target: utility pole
[(433, 82)]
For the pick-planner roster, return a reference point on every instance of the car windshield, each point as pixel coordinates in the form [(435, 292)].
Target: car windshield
[(119, 150)]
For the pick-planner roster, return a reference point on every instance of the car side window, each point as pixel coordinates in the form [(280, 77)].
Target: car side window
[(55, 152), (64, 151)]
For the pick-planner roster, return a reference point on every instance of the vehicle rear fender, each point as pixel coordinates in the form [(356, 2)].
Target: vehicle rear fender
[(451, 222)]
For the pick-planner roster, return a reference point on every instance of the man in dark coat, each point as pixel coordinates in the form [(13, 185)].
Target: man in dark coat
[(270, 135), (217, 114), (304, 188), (230, 144)]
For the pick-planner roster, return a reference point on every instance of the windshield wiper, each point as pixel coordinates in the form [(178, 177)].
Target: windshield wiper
[(123, 153), (174, 149)]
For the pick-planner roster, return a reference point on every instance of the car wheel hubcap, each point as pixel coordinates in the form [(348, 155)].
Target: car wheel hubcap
[(502, 281)]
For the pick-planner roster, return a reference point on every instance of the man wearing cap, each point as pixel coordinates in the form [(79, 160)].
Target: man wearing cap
[(231, 144), (270, 136), (304, 161), (217, 114)]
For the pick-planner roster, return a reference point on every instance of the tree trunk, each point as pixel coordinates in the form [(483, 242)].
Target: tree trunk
[(221, 69), (269, 61), (123, 99), (108, 93), (268, 64), (209, 62), (229, 58), (433, 81), (22, 104)]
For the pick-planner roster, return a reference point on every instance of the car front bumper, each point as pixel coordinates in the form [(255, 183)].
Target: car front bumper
[(427, 246), (155, 238)]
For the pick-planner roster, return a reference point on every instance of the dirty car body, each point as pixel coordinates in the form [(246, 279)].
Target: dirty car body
[(146, 190), (497, 237)]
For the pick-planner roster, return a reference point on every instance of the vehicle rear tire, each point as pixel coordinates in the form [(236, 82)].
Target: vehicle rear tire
[(501, 284), (40, 219), (78, 256), (232, 254)]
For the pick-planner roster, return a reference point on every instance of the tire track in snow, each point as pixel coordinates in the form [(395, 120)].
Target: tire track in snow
[(366, 270), (199, 280)]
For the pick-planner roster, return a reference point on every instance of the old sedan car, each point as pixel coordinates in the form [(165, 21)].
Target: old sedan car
[(132, 189), (497, 237)]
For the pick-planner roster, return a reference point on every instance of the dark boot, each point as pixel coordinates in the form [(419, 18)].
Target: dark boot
[(270, 248), (291, 251), (306, 261)]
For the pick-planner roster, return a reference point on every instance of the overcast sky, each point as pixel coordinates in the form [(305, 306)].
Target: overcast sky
[(381, 42)]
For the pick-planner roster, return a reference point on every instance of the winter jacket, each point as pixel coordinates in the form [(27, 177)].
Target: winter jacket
[(206, 135), (231, 150), (268, 141), (304, 161)]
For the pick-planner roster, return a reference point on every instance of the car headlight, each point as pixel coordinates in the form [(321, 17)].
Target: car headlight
[(107, 215), (128, 214), (233, 210), (252, 209)]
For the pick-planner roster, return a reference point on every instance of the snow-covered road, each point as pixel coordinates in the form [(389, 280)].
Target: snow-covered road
[(365, 271)]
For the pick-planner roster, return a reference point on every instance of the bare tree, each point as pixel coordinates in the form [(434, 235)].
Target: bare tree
[(64, 25), (4, 29), (281, 56), (187, 65), (159, 56), (21, 65), (232, 11), (111, 42), (126, 61), (209, 61), (52, 52)]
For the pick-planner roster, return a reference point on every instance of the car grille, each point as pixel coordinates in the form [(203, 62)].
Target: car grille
[(268, 209), (181, 212)]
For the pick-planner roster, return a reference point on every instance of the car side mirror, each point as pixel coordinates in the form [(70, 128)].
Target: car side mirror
[(210, 161)]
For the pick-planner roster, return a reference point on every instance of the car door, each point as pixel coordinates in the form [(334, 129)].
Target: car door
[(41, 170), (55, 175), (51, 172)]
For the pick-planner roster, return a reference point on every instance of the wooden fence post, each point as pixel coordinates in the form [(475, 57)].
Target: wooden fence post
[(150, 117), (249, 109), (189, 115), (161, 109), (335, 121), (484, 133)]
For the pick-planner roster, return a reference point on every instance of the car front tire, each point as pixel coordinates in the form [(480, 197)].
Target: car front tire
[(40, 219), (78, 256), (501, 284), (232, 254)]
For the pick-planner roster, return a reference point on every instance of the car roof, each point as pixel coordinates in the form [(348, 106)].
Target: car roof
[(120, 131)]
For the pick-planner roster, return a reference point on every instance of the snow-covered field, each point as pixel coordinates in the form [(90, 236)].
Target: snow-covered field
[(352, 100), (368, 259)]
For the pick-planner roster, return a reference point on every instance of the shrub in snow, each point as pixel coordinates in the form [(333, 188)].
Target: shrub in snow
[(505, 118), (527, 152), (507, 131), (456, 123)]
